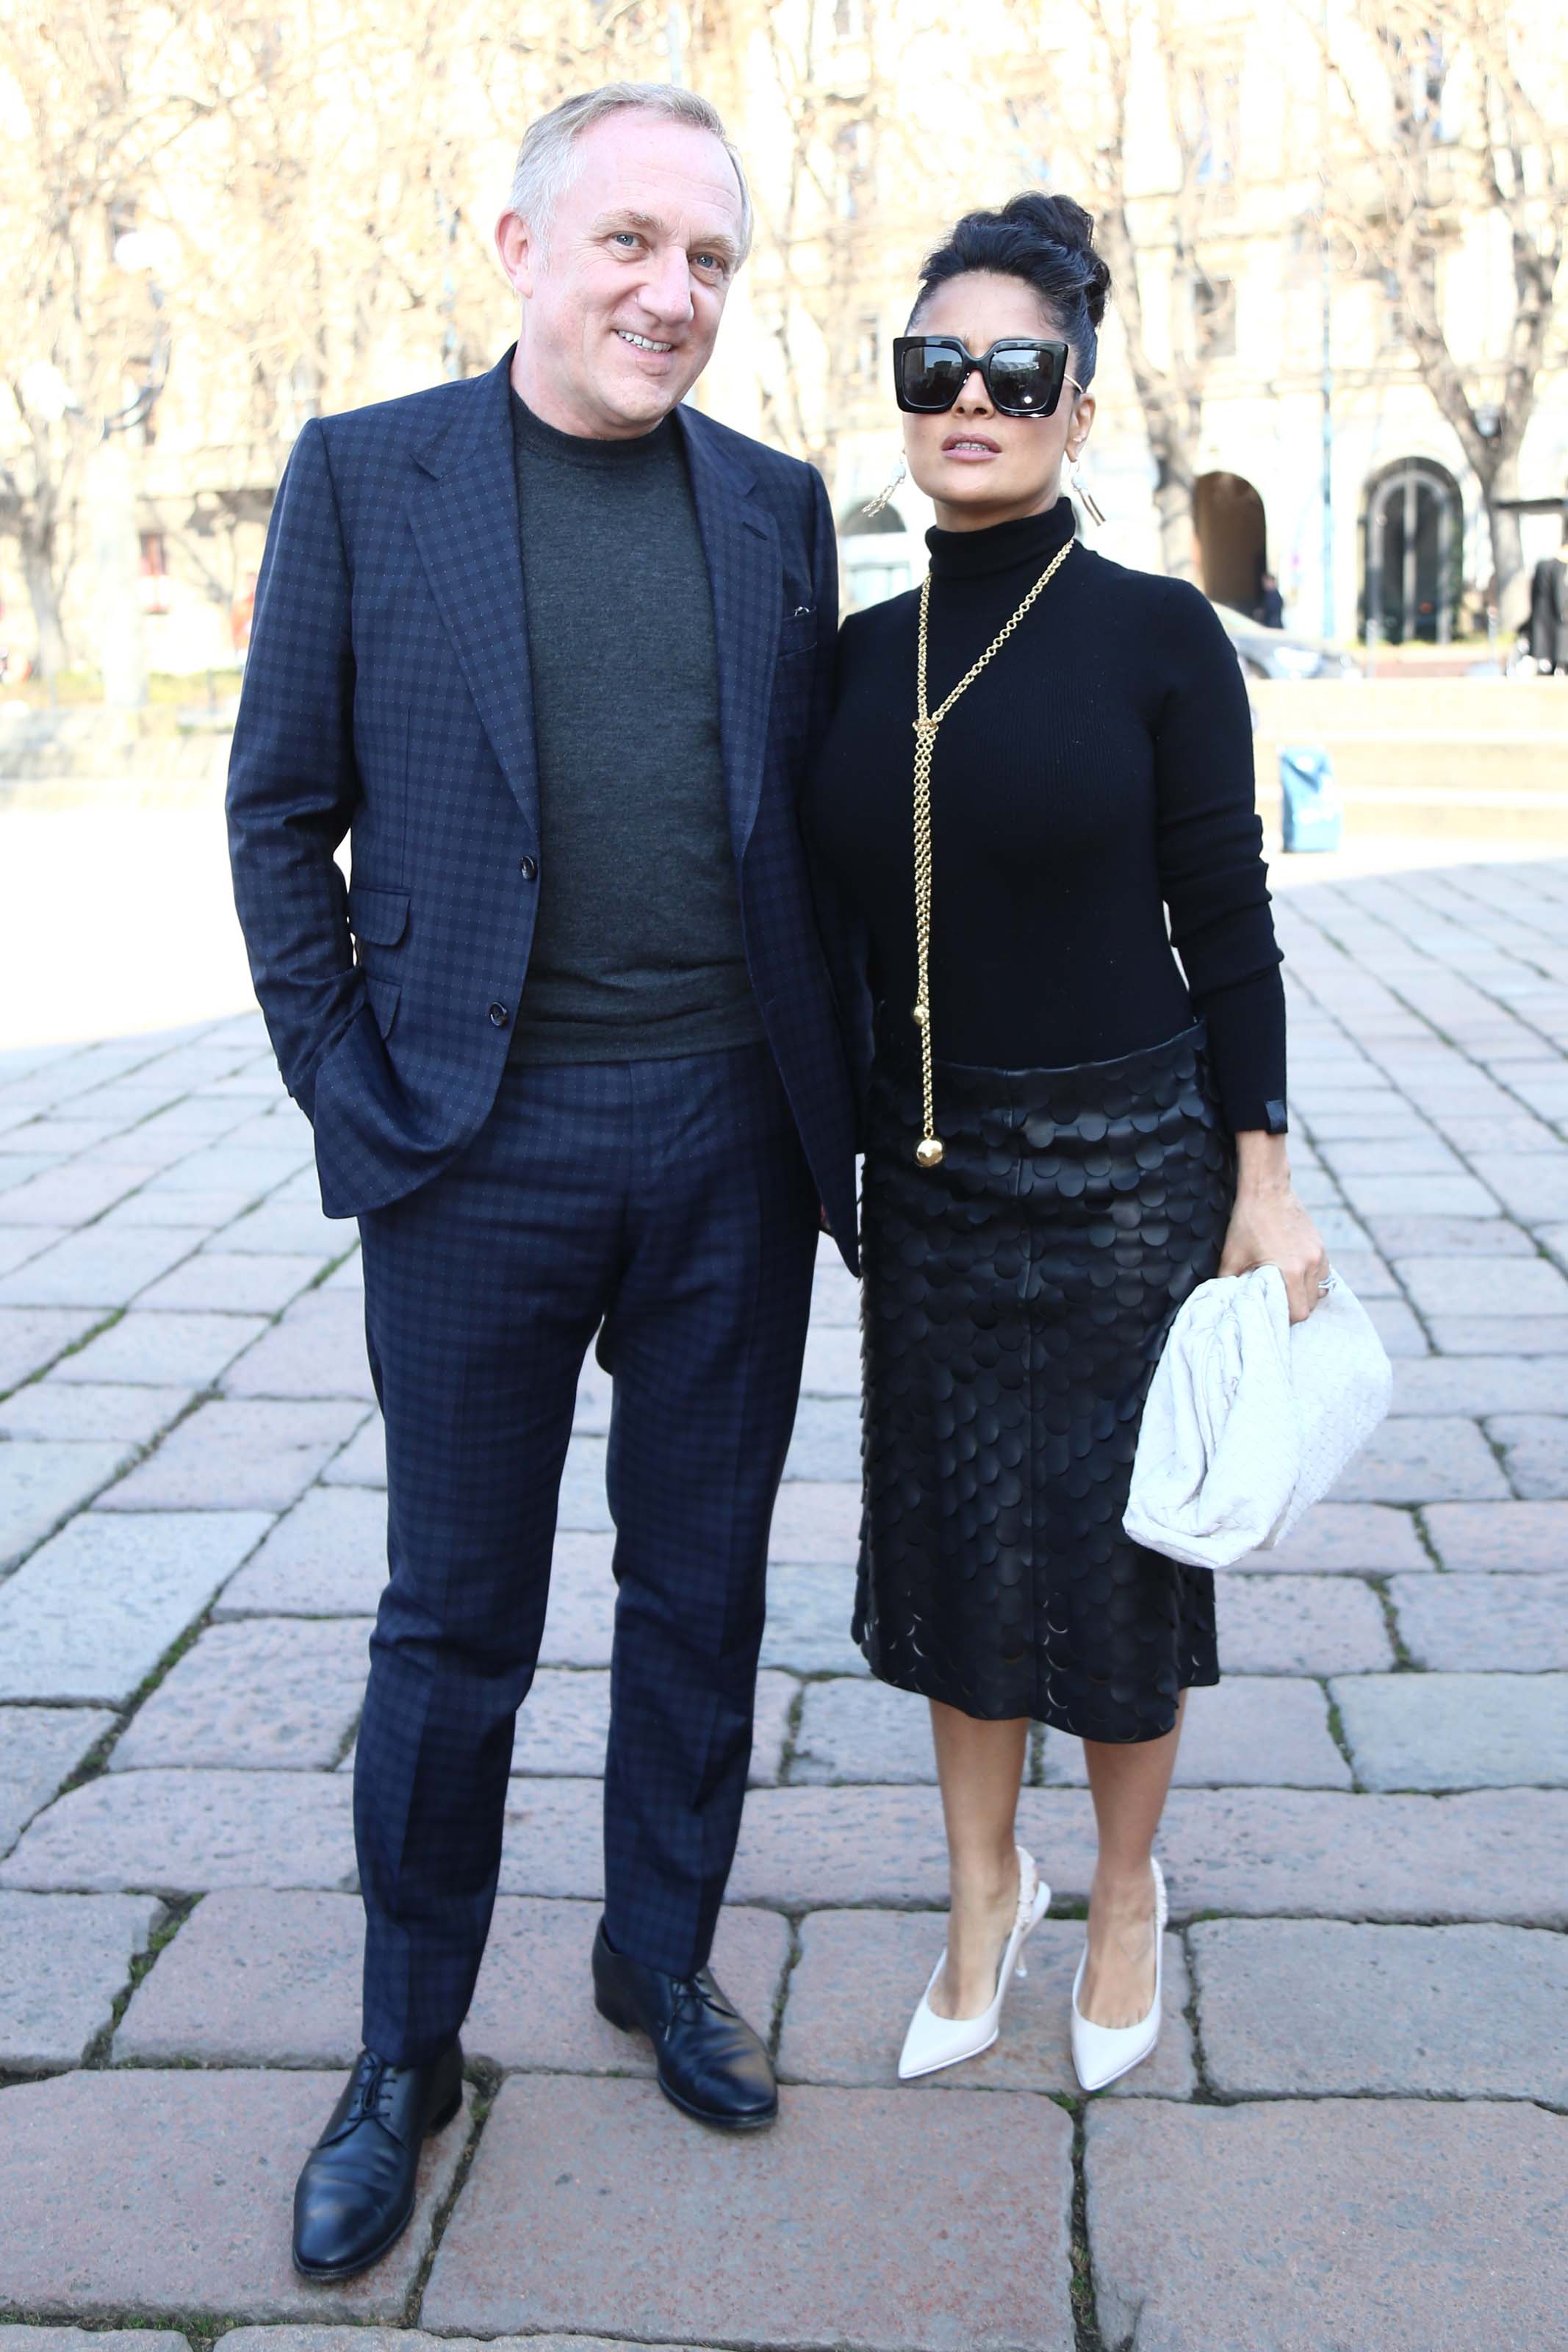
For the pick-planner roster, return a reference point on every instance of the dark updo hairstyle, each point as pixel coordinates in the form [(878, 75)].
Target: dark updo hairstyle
[(1049, 242)]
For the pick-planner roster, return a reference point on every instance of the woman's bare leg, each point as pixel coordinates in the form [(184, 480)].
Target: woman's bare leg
[(1128, 1782), (980, 1767)]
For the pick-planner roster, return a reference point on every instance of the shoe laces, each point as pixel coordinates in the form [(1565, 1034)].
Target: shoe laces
[(690, 1995), (370, 2091)]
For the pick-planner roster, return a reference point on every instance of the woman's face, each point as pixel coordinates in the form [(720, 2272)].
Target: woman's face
[(975, 465)]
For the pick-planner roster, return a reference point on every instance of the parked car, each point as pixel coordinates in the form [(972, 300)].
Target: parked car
[(1284, 653)]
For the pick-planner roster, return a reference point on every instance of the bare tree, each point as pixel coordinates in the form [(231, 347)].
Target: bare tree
[(1464, 118), (97, 100)]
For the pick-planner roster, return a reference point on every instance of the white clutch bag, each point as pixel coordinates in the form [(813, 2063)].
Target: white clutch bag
[(1251, 1418)]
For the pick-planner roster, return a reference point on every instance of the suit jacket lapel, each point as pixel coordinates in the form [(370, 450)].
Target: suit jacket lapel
[(464, 516), (742, 549)]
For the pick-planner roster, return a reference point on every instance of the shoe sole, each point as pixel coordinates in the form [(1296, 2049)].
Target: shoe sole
[(625, 2023), (327, 2272)]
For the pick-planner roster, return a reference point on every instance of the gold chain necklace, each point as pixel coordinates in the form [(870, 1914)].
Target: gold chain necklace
[(928, 1150)]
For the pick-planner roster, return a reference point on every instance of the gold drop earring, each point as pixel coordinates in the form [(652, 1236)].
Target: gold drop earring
[(1085, 496), (874, 506)]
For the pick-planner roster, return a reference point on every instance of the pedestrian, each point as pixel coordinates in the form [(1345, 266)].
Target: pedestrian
[(1271, 603), (1072, 1131), (1548, 629), (553, 652)]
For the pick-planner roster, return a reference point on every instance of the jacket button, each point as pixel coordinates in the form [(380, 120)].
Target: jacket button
[(529, 869), (499, 1016)]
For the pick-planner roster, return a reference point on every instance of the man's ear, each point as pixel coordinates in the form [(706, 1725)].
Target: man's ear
[(518, 246)]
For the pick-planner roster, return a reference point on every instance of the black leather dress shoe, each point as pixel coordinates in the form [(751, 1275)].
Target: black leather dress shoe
[(355, 2196), (711, 2064)]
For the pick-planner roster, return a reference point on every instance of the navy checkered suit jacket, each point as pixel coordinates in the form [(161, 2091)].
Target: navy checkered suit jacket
[(387, 697)]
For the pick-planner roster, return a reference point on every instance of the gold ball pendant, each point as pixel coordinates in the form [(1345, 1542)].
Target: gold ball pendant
[(929, 1151), (920, 1013)]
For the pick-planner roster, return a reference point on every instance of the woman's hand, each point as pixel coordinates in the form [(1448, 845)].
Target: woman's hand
[(1268, 1225)]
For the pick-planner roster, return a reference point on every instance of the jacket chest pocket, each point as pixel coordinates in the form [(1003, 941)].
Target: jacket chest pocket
[(798, 631)]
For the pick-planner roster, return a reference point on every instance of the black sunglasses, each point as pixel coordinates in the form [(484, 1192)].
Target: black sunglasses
[(1023, 375)]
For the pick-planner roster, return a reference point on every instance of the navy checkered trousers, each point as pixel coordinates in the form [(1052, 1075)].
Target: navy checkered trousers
[(509, 1213)]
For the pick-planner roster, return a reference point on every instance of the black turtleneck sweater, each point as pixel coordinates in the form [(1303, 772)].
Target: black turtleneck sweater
[(1097, 774)]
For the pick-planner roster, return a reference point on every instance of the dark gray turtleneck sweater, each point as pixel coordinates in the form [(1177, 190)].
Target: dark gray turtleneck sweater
[(637, 950)]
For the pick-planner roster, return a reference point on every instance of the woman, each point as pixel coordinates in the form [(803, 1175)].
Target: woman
[(1065, 1136)]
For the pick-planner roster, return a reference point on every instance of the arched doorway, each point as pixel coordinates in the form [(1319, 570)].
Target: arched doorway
[(1413, 551), (877, 556), (1232, 540)]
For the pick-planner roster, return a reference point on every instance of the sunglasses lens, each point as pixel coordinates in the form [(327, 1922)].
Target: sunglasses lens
[(931, 375), (1025, 380)]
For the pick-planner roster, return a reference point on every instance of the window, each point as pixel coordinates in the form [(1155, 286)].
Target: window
[(852, 152), (1213, 129), (153, 582), (849, 20), (1392, 335), (1214, 318), (868, 350)]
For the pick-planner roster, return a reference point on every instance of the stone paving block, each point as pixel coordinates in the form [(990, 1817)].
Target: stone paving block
[(362, 1462), (1423, 1236), (595, 1390), (225, 1282), (316, 1351), (1499, 1335), (1501, 1624), (1440, 1196), (239, 1455), (261, 1693), (1479, 1286), (817, 1525), (1480, 1385), (189, 2178), (855, 1729), (1534, 1451), (388, 2339), (88, 2339), (1393, 2226), (747, 2243), (581, 1619), (1319, 2006), (226, 1164), (1435, 1459), (582, 1503), (348, 1275), (832, 1367), (32, 1337), (75, 1413), (1314, 1852), (1368, 1275), (1457, 1731), (1256, 1731), (1339, 1539), (178, 1832), (257, 1979), (1395, 1325), (808, 1628), (162, 1350), (1522, 1537), (1422, 1154), (40, 1747), (563, 1724), (68, 1196), (63, 1961), (1302, 1625), (325, 1557), (553, 1841), (854, 1987), (98, 1269), (42, 1483), (826, 1444), (19, 1242), (210, 1211), (1533, 1184), (776, 1696)]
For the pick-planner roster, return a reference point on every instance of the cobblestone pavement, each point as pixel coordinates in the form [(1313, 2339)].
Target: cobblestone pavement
[(1353, 2134)]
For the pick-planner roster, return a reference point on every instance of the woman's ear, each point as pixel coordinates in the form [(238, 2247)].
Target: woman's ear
[(1078, 431)]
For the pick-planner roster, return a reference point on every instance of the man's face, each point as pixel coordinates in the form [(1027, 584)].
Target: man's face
[(621, 300)]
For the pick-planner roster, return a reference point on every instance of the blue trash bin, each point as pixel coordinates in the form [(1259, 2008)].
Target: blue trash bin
[(1310, 816)]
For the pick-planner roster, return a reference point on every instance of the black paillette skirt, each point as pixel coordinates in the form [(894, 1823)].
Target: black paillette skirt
[(1016, 1301)]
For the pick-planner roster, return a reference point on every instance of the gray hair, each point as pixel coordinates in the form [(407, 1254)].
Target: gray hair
[(545, 169)]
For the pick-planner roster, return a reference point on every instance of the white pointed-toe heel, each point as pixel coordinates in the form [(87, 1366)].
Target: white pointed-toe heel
[(1101, 2053), (933, 2042)]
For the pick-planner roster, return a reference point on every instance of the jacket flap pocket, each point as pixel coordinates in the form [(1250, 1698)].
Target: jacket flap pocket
[(385, 995), (379, 916)]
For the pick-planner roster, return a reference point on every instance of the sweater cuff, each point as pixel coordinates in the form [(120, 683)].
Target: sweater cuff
[(1246, 1026)]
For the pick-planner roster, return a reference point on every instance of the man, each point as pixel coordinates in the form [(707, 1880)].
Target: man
[(1270, 610), (554, 652), (1547, 633)]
